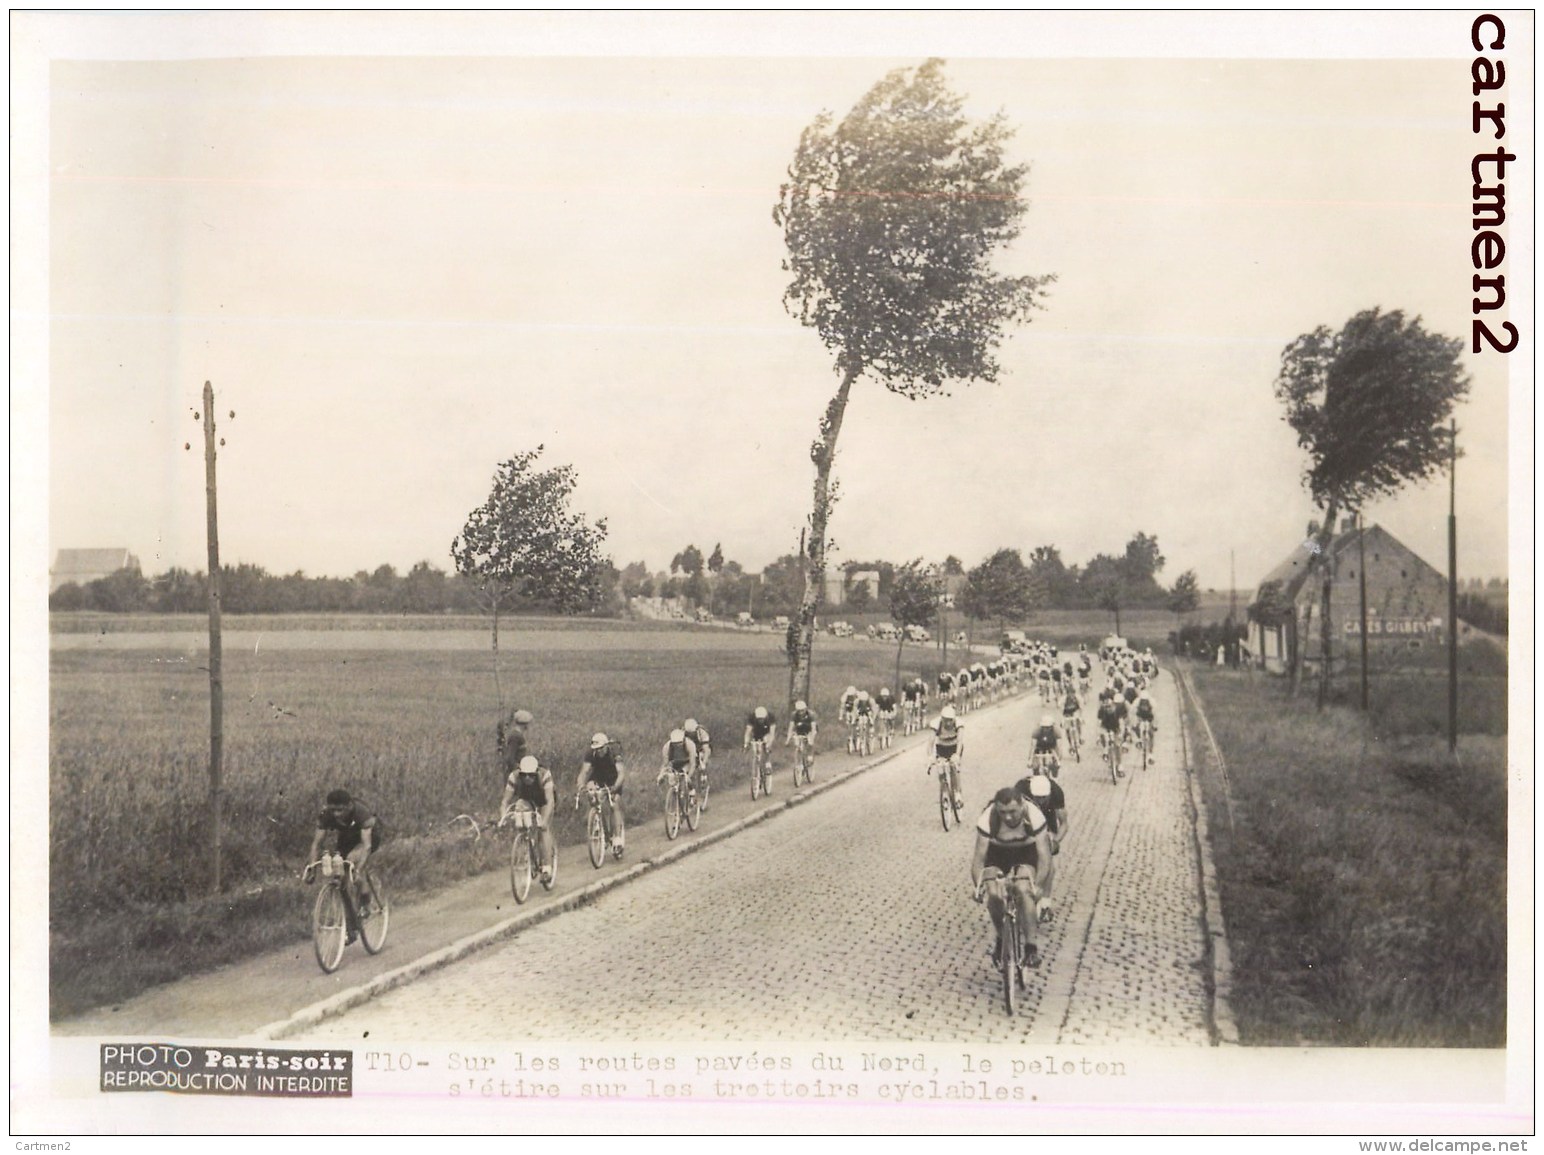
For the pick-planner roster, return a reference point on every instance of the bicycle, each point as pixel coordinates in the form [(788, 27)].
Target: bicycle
[(949, 801), (761, 767), (1075, 737), (864, 735), (1012, 948), (1145, 739), (600, 824), (525, 862), (886, 729), (912, 722), (681, 801), (334, 914), (1110, 751), (1043, 764), (803, 759)]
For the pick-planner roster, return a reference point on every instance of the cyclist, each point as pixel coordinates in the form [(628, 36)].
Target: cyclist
[(760, 726), (945, 686), (884, 705), (532, 782), (803, 723), (678, 755), (359, 834), (949, 744), (704, 751), (1046, 740), (512, 742), (1051, 800), (603, 766), (1112, 724), (1144, 710), (913, 698), (862, 716), (849, 700), (1012, 839)]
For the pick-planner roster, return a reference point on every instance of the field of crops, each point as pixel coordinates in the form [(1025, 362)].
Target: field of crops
[(409, 729)]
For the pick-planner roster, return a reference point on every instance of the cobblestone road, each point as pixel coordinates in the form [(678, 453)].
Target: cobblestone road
[(850, 917)]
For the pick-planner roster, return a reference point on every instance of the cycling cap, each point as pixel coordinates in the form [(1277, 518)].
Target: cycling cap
[(678, 735), (599, 741), (691, 723), (523, 717), (529, 765), (338, 798), (761, 711), (850, 690), (885, 691), (801, 704), (1039, 786), (948, 712), (862, 695)]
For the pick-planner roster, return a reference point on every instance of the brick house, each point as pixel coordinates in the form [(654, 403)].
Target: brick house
[(1406, 599)]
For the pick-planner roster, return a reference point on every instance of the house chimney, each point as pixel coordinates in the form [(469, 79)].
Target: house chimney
[(1348, 523)]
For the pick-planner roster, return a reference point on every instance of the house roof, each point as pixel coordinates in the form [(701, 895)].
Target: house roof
[(1294, 569), (91, 561)]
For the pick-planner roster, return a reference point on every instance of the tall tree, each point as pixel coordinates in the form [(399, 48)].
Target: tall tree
[(1370, 404), (1185, 597), (688, 562), (525, 543), (892, 218), (1048, 571), (1104, 584), (1140, 567), (915, 591), (1000, 588)]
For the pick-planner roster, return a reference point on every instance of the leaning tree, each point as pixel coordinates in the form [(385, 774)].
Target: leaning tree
[(524, 544), (892, 218), (1370, 404)]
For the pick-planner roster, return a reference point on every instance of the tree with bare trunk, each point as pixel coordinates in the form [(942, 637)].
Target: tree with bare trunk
[(892, 218)]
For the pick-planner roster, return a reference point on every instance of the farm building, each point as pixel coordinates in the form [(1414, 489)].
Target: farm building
[(88, 565), (1406, 598), (839, 585)]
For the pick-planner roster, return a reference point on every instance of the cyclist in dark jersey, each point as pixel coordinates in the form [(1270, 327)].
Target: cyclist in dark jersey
[(531, 782), (603, 766), (358, 834), (699, 735), (1013, 839), (761, 726)]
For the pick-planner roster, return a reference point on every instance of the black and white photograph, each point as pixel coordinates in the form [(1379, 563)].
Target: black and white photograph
[(754, 573)]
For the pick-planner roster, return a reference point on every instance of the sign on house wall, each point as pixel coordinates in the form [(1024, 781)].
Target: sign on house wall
[(1392, 627)]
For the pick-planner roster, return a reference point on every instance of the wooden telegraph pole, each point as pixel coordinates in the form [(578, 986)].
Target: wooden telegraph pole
[(1453, 592), (1361, 574), (216, 684)]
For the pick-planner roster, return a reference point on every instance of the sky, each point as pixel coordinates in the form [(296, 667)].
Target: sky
[(401, 260)]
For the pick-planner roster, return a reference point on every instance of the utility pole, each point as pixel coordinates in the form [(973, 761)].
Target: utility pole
[(1453, 592), (1361, 573), (1232, 605), (216, 681)]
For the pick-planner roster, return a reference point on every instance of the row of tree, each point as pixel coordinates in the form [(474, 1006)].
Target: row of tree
[(251, 589)]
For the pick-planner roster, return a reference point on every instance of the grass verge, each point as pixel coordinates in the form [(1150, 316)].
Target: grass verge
[(1363, 875), (408, 730)]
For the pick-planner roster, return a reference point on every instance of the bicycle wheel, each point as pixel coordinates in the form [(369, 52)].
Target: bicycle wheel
[(596, 833), (329, 923), (956, 797), (552, 879), (692, 809), (520, 865), (1008, 964), (755, 774), (672, 812), (945, 803), (1146, 744), (374, 924)]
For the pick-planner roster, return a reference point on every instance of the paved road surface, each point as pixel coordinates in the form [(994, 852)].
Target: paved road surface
[(850, 917)]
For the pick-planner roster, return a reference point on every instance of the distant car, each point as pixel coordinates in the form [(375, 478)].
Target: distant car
[(704, 615), (1012, 641), (780, 622), (884, 632), (917, 634), (841, 629), (744, 619)]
